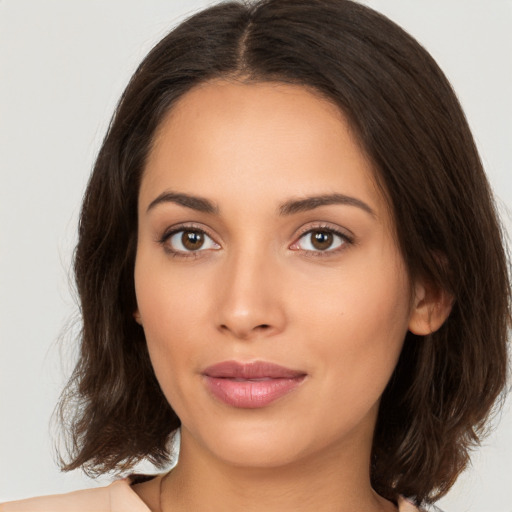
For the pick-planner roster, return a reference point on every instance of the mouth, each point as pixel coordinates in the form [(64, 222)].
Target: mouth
[(250, 385)]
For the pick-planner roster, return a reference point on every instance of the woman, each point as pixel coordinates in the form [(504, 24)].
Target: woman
[(288, 248)]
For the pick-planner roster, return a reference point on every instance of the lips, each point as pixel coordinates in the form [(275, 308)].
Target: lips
[(250, 385)]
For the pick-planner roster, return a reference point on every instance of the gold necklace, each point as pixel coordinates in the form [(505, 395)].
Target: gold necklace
[(160, 492)]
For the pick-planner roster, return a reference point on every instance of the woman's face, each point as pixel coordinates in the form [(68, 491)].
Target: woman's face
[(272, 293)]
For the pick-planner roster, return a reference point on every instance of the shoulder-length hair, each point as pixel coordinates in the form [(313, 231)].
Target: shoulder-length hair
[(411, 126)]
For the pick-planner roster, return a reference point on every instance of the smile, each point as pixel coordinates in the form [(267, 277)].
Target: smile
[(250, 385)]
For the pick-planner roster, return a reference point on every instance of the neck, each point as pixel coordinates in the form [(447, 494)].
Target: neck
[(331, 482)]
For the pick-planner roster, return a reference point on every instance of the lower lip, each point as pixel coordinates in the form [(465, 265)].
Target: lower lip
[(251, 394)]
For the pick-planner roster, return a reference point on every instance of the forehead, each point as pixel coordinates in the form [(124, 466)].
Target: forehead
[(259, 107), (257, 140)]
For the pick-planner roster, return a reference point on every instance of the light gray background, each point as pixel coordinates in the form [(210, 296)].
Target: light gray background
[(63, 65)]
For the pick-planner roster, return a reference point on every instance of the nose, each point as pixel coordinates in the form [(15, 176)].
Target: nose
[(250, 302)]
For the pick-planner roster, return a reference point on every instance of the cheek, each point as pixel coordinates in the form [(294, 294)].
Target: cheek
[(166, 298), (358, 323), (174, 311), (164, 311), (360, 298)]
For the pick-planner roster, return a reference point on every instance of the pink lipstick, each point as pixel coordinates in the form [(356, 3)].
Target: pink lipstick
[(250, 385)]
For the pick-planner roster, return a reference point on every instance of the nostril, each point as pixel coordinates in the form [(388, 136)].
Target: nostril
[(261, 327)]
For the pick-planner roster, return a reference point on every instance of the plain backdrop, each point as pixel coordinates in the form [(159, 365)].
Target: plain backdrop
[(63, 65)]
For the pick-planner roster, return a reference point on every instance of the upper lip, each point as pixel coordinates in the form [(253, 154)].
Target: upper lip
[(251, 370)]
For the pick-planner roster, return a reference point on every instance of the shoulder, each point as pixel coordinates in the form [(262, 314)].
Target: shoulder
[(116, 497), (405, 505)]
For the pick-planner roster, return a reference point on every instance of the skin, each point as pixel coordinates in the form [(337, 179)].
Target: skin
[(259, 290)]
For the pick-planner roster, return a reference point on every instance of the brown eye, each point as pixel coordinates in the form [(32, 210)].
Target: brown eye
[(192, 240), (321, 240), (189, 240)]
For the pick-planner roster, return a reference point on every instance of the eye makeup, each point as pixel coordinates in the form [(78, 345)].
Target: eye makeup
[(188, 240)]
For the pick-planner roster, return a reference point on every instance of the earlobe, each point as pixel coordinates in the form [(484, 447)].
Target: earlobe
[(136, 317), (431, 307)]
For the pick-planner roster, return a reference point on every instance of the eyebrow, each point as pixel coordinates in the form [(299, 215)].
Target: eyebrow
[(310, 203), (291, 207), (199, 204)]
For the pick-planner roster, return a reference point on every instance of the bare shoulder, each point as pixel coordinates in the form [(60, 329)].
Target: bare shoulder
[(78, 501), (406, 506), (116, 497), (149, 491)]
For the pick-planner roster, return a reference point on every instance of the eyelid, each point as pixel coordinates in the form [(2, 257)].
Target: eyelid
[(186, 226), (327, 226), (347, 237)]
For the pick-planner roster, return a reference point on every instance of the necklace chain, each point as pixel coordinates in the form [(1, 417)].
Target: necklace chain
[(160, 491)]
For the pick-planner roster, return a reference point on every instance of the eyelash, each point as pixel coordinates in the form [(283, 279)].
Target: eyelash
[(346, 240), (190, 228)]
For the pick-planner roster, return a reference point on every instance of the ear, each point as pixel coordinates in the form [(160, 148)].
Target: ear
[(431, 307), (137, 317)]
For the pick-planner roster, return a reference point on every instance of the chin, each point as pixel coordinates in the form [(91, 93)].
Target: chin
[(263, 452), (264, 444)]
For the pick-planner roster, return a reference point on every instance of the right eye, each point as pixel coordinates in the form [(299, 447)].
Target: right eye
[(188, 241)]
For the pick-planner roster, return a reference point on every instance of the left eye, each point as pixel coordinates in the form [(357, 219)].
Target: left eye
[(190, 240), (319, 240)]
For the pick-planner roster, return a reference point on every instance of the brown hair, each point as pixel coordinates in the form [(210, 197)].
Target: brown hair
[(411, 126)]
